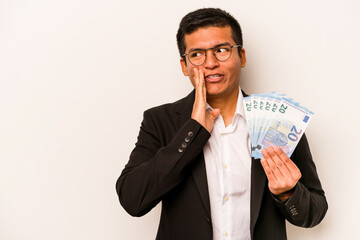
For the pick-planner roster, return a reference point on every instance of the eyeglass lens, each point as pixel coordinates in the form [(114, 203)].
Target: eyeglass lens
[(221, 53)]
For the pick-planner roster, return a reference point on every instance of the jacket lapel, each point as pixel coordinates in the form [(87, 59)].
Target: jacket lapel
[(258, 184), (183, 109), (199, 174)]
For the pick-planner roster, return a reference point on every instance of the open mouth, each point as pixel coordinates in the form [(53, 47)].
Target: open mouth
[(214, 78)]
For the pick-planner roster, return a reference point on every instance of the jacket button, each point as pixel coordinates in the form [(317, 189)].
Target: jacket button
[(180, 150), (190, 134), (184, 145), (187, 139)]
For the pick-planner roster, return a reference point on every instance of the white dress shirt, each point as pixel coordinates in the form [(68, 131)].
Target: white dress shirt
[(228, 168)]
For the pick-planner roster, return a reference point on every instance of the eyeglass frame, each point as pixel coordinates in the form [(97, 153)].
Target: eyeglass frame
[(213, 52)]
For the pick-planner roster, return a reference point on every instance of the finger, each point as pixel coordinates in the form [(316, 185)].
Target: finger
[(277, 183), (290, 165), (202, 84), (268, 172), (270, 162), (196, 78), (281, 166), (198, 91), (215, 113)]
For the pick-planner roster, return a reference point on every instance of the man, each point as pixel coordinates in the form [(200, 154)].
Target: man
[(193, 155)]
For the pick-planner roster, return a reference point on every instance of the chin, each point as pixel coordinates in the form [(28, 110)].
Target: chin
[(214, 93), (214, 90)]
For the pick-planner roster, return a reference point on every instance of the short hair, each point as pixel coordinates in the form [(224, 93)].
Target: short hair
[(203, 18)]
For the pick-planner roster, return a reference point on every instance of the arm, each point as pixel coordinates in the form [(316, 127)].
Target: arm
[(153, 169), (295, 185)]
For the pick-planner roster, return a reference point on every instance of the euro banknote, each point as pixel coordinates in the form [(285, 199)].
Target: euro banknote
[(275, 120)]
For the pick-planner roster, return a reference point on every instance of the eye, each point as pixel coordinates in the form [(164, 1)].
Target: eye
[(222, 49), (196, 54)]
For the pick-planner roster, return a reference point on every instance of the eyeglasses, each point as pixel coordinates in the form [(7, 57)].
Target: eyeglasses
[(222, 52)]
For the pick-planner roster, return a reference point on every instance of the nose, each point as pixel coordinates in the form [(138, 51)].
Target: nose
[(211, 62)]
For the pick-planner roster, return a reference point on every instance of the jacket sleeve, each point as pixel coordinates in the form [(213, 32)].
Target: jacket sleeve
[(307, 206), (153, 170)]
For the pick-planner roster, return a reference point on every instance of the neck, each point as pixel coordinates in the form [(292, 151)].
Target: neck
[(226, 104)]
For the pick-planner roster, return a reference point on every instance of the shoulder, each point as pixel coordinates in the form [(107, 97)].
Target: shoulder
[(163, 121)]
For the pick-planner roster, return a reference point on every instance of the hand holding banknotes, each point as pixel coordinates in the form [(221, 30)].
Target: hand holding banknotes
[(199, 112), (282, 173)]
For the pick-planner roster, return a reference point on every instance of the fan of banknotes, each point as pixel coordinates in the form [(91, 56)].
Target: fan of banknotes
[(274, 119)]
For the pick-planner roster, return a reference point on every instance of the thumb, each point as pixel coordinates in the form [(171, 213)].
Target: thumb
[(215, 113)]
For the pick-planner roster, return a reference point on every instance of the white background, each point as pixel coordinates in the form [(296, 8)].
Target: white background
[(76, 76)]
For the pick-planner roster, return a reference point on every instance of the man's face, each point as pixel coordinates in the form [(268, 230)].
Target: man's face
[(221, 78)]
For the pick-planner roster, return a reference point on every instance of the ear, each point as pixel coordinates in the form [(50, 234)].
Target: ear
[(242, 57), (184, 67)]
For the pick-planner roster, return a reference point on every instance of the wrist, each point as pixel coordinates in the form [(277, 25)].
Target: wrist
[(285, 195)]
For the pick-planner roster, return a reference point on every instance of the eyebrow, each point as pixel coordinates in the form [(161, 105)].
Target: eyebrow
[(196, 49)]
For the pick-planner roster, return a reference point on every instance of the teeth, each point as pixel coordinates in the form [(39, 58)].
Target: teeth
[(213, 76)]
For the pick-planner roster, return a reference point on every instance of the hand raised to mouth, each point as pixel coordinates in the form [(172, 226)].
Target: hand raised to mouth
[(199, 112)]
